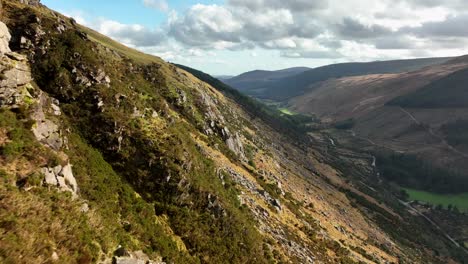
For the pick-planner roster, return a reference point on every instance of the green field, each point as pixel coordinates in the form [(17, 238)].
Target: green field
[(286, 111), (458, 200)]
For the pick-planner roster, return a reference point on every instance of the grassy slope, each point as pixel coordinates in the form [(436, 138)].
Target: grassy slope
[(125, 187), (448, 92), (298, 84), (458, 200), (286, 111)]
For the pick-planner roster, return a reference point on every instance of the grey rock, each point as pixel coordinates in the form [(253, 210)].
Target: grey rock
[(61, 28), (234, 143), (137, 257), (84, 208), (70, 180), (25, 43), (47, 132), (5, 38), (55, 256), (30, 2), (56, 109), (57, 169), (49, 177), (61, 177), (15, 79)]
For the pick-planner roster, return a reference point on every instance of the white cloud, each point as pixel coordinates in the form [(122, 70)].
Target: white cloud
[(161, 5), (336, 30)]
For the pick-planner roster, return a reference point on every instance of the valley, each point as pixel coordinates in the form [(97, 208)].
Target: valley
[(111, 155)]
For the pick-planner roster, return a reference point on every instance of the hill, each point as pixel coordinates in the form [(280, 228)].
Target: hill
[(420, 113), (109, 155), (287, 87), (249, 81), (448, 92)]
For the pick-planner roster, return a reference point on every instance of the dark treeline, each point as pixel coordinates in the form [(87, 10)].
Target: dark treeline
[(295, 126), (447, 92), (456, 133), (410, 171)]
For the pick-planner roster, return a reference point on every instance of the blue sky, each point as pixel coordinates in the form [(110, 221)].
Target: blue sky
[(234, 36), (124, 11)]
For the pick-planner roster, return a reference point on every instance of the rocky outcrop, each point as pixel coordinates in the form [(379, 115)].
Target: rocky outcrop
[(15, 74), (234, 143), (5, 38), (15, 84), (45, 130), (31, 2), (60, 177)]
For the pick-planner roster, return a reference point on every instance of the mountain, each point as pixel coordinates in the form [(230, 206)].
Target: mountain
[(418, 113), (110, 155), (258, 79), (223, 77), (448, 92), (285, 87)]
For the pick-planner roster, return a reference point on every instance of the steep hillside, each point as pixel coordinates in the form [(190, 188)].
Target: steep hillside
[(448, 92), (109, 155), (250, 82), (415, 113), (296, 85)]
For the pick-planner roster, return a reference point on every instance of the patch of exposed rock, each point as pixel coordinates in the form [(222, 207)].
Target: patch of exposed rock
[(31, 2), (122, 256), (234, 143), (15, 84), (61, 177), (15, 74), (45, 130), (5, 38)]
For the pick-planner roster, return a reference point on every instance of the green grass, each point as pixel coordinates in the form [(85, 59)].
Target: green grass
[(458, 200), (286, 111), (120, 48)]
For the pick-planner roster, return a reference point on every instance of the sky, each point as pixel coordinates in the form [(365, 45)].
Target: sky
[(229, 37)]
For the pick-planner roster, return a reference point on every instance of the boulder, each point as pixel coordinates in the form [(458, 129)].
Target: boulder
[(67, 175), (49, 177), (5, 38), (61, 177), (47, 132)]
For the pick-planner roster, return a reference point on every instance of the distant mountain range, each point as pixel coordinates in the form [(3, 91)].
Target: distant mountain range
[(252, 81), (288, 83), (421, 112)]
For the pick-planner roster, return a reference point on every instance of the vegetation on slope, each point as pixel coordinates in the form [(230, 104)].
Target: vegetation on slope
[(296, 85), (448, 92), (412, 172), (295, 125), (456, 134), (142, 179)]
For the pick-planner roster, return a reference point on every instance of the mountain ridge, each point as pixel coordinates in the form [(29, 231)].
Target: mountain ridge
[(300, 83), (109, 155)]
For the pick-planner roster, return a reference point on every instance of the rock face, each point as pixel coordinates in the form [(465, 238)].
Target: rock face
[(61, 177), (31, 2), (15, 74), (234, 143), (4, 39), (45, 130), (14, 86)]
